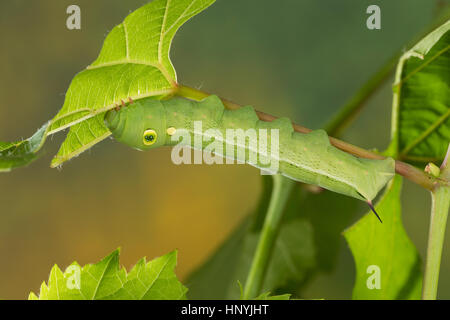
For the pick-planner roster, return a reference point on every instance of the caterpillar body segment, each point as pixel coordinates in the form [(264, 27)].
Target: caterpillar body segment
[(308, 158)]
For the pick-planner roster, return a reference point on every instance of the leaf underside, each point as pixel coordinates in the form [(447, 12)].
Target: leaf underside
[(134, 63), (21, 153)]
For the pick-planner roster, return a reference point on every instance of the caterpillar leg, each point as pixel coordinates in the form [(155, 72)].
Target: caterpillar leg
[(123, 103)]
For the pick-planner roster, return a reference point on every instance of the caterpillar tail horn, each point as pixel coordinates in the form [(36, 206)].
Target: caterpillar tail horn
[(373, 210)]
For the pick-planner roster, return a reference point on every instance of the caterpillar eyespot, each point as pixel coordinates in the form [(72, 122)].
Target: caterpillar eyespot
[(308, 158), (149, 137)]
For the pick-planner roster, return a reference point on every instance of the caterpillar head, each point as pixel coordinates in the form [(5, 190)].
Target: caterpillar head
[(141, 125)]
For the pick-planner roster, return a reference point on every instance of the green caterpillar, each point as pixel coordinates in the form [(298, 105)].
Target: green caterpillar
[(308, 158)]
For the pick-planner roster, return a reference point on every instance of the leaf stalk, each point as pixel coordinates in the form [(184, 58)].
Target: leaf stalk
[(440, 197), (282, 188)]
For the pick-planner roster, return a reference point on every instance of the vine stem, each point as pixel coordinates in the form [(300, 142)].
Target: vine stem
[(282, 188), (402, 168), (440, 197)]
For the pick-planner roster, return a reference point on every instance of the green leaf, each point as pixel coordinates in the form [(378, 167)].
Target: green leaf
[(267, 296), (21, 153), (154, 280), (81, 137), (107, 281), (421, 107), (133, 63), (385, 248)]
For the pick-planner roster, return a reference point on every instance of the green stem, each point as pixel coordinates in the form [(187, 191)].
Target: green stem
[(282, 188), (439, 213)]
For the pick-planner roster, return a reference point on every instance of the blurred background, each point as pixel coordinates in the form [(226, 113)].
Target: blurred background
[(299, 59)]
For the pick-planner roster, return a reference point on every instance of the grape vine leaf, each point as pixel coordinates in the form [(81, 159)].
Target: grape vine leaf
[(134, 63), (383, 253), (154, 280), (421, 105), (21, 153)]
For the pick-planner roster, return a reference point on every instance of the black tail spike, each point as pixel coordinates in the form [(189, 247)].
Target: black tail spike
[(373, 209)]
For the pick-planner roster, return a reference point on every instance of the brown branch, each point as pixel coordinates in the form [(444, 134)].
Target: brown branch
[(402, 168)]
